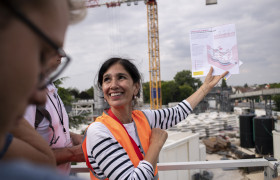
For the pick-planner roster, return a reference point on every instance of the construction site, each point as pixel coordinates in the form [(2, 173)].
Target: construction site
[(217, 141)]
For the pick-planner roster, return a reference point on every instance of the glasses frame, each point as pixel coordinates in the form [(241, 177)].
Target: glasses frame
[(42, 35)]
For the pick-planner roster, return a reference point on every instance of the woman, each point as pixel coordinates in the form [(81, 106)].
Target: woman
[(112, 143)]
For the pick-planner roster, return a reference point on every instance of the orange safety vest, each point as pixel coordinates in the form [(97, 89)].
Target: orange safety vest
[(143, 131)]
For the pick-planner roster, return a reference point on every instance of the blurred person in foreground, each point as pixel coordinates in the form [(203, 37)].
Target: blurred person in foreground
[(31, 33), (124, 143), (52, 123)]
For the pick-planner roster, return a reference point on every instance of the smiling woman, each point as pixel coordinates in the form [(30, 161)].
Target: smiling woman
[(124, 143), (118, 87)]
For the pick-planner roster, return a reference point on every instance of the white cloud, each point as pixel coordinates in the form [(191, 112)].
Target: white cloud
[(122, 31)]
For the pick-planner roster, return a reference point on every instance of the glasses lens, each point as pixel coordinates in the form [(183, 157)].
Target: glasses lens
[(53, 69), (58, 68)]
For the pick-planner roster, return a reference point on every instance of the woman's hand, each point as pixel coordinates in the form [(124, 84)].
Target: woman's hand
[(210, 81), (157, 140), (158, 137)]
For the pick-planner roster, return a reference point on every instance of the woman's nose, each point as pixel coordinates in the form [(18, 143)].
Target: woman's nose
[(114, 84)]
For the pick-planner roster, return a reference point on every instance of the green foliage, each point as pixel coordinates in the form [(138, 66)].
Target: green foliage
[(67, 96), (276, 99), (90, 92), (185, 77), (246, 85), (177, 90), (275, 85), (146, 92), (87, 94), (59, 82), (184, 92), (75, 92), (63, 93), (75, 121), (170, 91), (224, 84), (84, 95)]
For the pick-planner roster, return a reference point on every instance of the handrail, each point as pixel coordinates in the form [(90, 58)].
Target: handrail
[(212, 164), (269, 166)]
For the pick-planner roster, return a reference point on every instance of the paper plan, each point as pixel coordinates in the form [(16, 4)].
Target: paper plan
[(216, 47)]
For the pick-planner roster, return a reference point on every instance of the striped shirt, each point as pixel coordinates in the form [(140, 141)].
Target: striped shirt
[(108, 158)]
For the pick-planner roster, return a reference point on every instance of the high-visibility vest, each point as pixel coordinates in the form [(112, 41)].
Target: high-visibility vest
[(143, 131)]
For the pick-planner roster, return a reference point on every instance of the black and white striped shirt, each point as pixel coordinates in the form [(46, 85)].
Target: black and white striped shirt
[(108, 158)]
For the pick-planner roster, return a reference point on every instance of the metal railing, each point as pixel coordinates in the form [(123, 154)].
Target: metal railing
[(271, 168)]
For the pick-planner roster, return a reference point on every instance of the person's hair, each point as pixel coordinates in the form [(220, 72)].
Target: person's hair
[(77, 9), (128, 66)]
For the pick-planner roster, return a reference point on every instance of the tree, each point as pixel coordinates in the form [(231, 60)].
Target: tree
[(84, 95), (63, 93), (90, 92), (180, 88), (75, 121), (275, 85), (170, 91), (246, 85), (59, 81), (75, 92), (185, 77), (146, 92), (184, 92), (65, 96), (276, 99), (224, 84)]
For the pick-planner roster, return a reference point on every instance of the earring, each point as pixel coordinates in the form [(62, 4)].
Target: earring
[(105, 100)]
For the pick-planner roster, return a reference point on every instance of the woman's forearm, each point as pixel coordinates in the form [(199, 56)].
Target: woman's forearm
[(197, 96), (152, 155), (157, 140)]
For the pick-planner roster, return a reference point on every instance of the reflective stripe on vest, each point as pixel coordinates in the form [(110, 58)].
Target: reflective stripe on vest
[(143, 131)]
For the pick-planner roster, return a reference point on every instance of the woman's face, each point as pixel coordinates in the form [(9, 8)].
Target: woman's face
[(22, 57), (118, 87)]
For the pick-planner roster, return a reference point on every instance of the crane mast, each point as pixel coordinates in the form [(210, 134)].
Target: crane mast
[(153, 44), (154, 56)]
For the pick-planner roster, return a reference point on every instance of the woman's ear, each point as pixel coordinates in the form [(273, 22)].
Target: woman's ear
[(137, 89)]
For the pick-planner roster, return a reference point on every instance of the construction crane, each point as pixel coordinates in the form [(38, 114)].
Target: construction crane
[(153, 44)]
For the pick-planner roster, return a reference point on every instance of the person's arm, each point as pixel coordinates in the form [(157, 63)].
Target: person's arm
[(168, 117), (27, 144), (69, 154), (77, 139), (209, 82)]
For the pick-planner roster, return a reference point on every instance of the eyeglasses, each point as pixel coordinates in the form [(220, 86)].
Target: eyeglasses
[(49, 74)]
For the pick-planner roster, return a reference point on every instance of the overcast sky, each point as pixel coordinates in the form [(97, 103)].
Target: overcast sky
[(122, 31)]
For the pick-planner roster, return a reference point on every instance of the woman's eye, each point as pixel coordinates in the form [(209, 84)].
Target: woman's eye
[(122, 77), (105, 79)]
